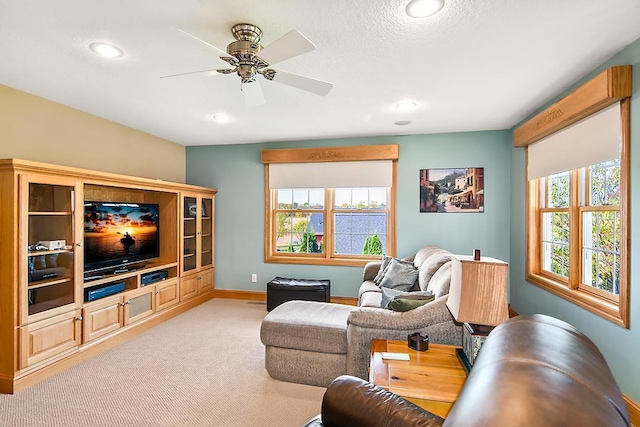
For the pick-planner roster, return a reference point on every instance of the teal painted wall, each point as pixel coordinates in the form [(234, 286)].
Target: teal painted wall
[(620, 346), (239, 176)]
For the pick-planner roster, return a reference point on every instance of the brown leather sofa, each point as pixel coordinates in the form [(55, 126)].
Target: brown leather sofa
[(532, 371)]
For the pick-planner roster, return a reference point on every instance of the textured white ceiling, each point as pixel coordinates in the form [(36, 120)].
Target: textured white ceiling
[(477, 65)]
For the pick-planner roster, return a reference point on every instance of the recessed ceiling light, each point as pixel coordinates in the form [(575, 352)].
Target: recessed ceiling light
[(221, 118), (106, 50), (406, 105), (403, 122), (424, 8)]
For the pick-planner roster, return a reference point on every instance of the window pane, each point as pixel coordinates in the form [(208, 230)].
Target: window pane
[(360, 233), (555, 243), (601, 250), (300, 199), (285, 199), (361, 198), (284, 237), (558, 185), (304, 198), (316, 198), (605, 183), (299, 232)]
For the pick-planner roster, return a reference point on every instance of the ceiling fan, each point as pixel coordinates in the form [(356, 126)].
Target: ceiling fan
[(249, 59)]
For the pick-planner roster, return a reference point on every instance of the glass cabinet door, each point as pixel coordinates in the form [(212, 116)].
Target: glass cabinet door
[(189, 230), (206, 233), (50, 244)]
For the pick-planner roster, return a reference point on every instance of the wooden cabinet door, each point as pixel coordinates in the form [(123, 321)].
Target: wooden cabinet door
[(50, 337), (205, 281), (139, 304), (189, 287), (101, 318), (167, 294)]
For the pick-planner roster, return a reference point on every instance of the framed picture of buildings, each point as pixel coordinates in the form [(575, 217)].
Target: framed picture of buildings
[(452, 190)]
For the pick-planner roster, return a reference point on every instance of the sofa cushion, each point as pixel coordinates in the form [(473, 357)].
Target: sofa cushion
[(368, 286), (429, 268), (439, 283), (371, 299), (399, 275)]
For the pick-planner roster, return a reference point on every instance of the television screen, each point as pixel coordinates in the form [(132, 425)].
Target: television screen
[(117, 234)]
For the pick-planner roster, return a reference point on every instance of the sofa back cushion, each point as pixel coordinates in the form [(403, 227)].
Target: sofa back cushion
[(429, 267), (440, 281), (424, 253)]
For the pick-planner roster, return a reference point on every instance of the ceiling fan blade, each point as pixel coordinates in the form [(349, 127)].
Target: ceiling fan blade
[(288, 46), (305, 83), (253, 95), (220, 51), (203, 72)]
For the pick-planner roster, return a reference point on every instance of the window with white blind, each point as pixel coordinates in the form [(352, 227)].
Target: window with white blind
[(337, 212), (577, 205)]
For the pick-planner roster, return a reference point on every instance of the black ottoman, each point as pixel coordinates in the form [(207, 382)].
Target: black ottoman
[(282, 289)]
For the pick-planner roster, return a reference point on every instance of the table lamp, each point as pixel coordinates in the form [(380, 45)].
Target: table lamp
[(478, 299)]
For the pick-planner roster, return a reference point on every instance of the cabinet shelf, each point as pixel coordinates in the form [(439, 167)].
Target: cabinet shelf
[(50, 213), (56, 251), (43, 283)]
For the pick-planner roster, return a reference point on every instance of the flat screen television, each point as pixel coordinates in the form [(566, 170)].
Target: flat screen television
[(119, 234)]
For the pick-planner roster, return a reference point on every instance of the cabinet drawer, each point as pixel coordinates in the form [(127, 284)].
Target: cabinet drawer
[(101, 318), (188, 287), (47, 338), (205, 282), (167, 294)]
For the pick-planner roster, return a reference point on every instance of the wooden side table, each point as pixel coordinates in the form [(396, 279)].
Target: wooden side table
[(431, 379)]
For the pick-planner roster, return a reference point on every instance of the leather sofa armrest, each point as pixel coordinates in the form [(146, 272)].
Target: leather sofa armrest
[(352, 402), (371, 270)]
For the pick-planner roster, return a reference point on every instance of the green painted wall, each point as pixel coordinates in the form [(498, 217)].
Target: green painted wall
[(620, 346), (239, 176)]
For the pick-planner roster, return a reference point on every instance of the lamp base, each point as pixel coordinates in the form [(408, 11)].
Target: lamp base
[(473, 336)]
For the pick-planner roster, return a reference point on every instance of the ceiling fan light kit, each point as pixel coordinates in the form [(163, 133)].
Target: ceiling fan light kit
[(424, 8)]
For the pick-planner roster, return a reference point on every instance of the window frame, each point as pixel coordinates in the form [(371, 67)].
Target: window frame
[(614, 309), (302, 155)]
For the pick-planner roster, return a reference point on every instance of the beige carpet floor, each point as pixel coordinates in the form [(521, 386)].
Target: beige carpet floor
[(202, 368)]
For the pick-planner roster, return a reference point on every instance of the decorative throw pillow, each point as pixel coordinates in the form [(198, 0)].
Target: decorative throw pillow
[(405, 304), (393, 299), (383, 268), (399, 275)]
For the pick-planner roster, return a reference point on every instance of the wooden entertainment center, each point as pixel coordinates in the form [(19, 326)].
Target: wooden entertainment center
[(53, 314)]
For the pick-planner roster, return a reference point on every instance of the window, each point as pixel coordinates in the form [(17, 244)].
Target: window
[(577, 219), (312, 219), (355, 223)]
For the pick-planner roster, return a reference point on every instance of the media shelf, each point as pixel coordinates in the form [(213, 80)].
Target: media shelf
[(47, 315)]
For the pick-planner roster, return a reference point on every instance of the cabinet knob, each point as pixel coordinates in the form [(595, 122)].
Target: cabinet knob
[(128, 302), (79, 318), (79, 244), (157, 292)]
